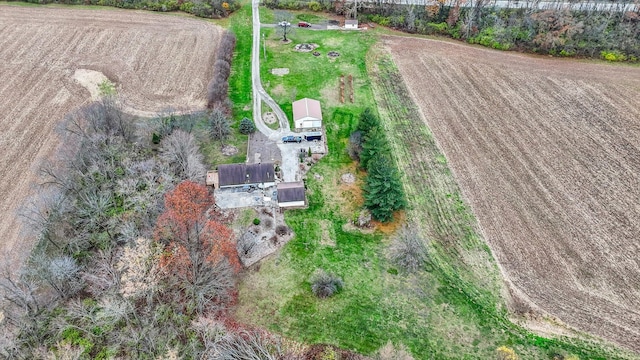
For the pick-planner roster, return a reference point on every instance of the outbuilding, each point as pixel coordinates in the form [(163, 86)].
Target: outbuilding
[(234, 175), (351, 24), (307, 114), (291, 194)]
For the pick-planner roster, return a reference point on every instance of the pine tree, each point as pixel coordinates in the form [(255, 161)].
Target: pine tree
[(375, 143), (368, 121), (383, 188), (247, 126)]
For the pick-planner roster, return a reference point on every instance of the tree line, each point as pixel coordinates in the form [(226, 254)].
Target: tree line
[(202, 8), (588, 31), (383, 191)]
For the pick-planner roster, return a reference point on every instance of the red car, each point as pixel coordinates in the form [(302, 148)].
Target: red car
[(304, 24)]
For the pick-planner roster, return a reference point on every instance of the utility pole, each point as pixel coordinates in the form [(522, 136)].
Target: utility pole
[(264, 47)]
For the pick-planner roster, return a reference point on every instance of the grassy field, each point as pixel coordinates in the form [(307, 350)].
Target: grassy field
[(452, 309), (316, 76)]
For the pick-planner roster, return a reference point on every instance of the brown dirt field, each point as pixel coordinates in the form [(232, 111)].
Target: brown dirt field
[(155, 61), (547, 152)]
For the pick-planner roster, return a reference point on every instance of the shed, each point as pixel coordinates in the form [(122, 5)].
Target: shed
[(351, 24), (232, 175), (291, 194), (307, 114), (212, 179)]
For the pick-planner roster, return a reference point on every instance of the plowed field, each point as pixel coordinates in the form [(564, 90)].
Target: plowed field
[(547, 153), (155, 62)]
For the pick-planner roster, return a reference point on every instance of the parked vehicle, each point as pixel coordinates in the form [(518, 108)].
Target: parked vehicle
[(291, 138), (304, 24), (313, 136)]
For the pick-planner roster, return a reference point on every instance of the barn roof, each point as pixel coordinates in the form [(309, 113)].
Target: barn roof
[(238, 174), (290, 191), (306, 108)]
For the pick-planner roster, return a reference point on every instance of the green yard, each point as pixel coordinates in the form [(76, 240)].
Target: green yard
[(452, 308)]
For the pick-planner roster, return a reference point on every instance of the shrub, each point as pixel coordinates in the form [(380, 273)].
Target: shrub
[(247, 126), (613, 56), (505, 353), (437, 28), (354, 147), (408, 250), (314, 6), (324, 285), (282, 230), (256, 221)]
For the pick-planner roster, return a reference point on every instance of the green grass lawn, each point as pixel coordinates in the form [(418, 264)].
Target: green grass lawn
[(452, 309), (316, 77)]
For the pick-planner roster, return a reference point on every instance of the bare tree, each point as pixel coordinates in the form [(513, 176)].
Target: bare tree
[(409, 250), (219, 125), (139, 271), (19, 296), (182, 154), (44, 213), (60, 272), (102, 276), (283, 21)]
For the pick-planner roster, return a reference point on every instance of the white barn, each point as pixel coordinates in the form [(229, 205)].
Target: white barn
[(307, 114)]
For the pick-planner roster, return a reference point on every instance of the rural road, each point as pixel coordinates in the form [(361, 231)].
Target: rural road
[(259, 94), (288, 152)]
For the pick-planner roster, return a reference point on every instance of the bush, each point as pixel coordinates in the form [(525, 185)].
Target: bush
[(613, 56), (354, 147), (437, 28), (408, 250), (314, 6), (324, 285), (247, 126), (256, 221), (282, 230)]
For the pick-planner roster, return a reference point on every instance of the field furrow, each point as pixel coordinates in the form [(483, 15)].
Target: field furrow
[(40, 50), (547, 154)]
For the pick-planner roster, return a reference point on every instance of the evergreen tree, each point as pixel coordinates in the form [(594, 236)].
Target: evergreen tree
[(375, 143), (383, 193), (368, 121), (247, 126)]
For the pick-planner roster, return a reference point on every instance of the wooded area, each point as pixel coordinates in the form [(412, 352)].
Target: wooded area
[(613, 35)]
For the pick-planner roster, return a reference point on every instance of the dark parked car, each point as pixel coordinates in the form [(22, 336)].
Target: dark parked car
[(313, 136), (304, 24)]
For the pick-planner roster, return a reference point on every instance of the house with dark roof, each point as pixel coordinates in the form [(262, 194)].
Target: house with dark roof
[(307, 114), (291, 194), (233, 175)]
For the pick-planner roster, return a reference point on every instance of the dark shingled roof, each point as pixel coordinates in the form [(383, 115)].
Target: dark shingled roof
[(240, 174), (290, 191)]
